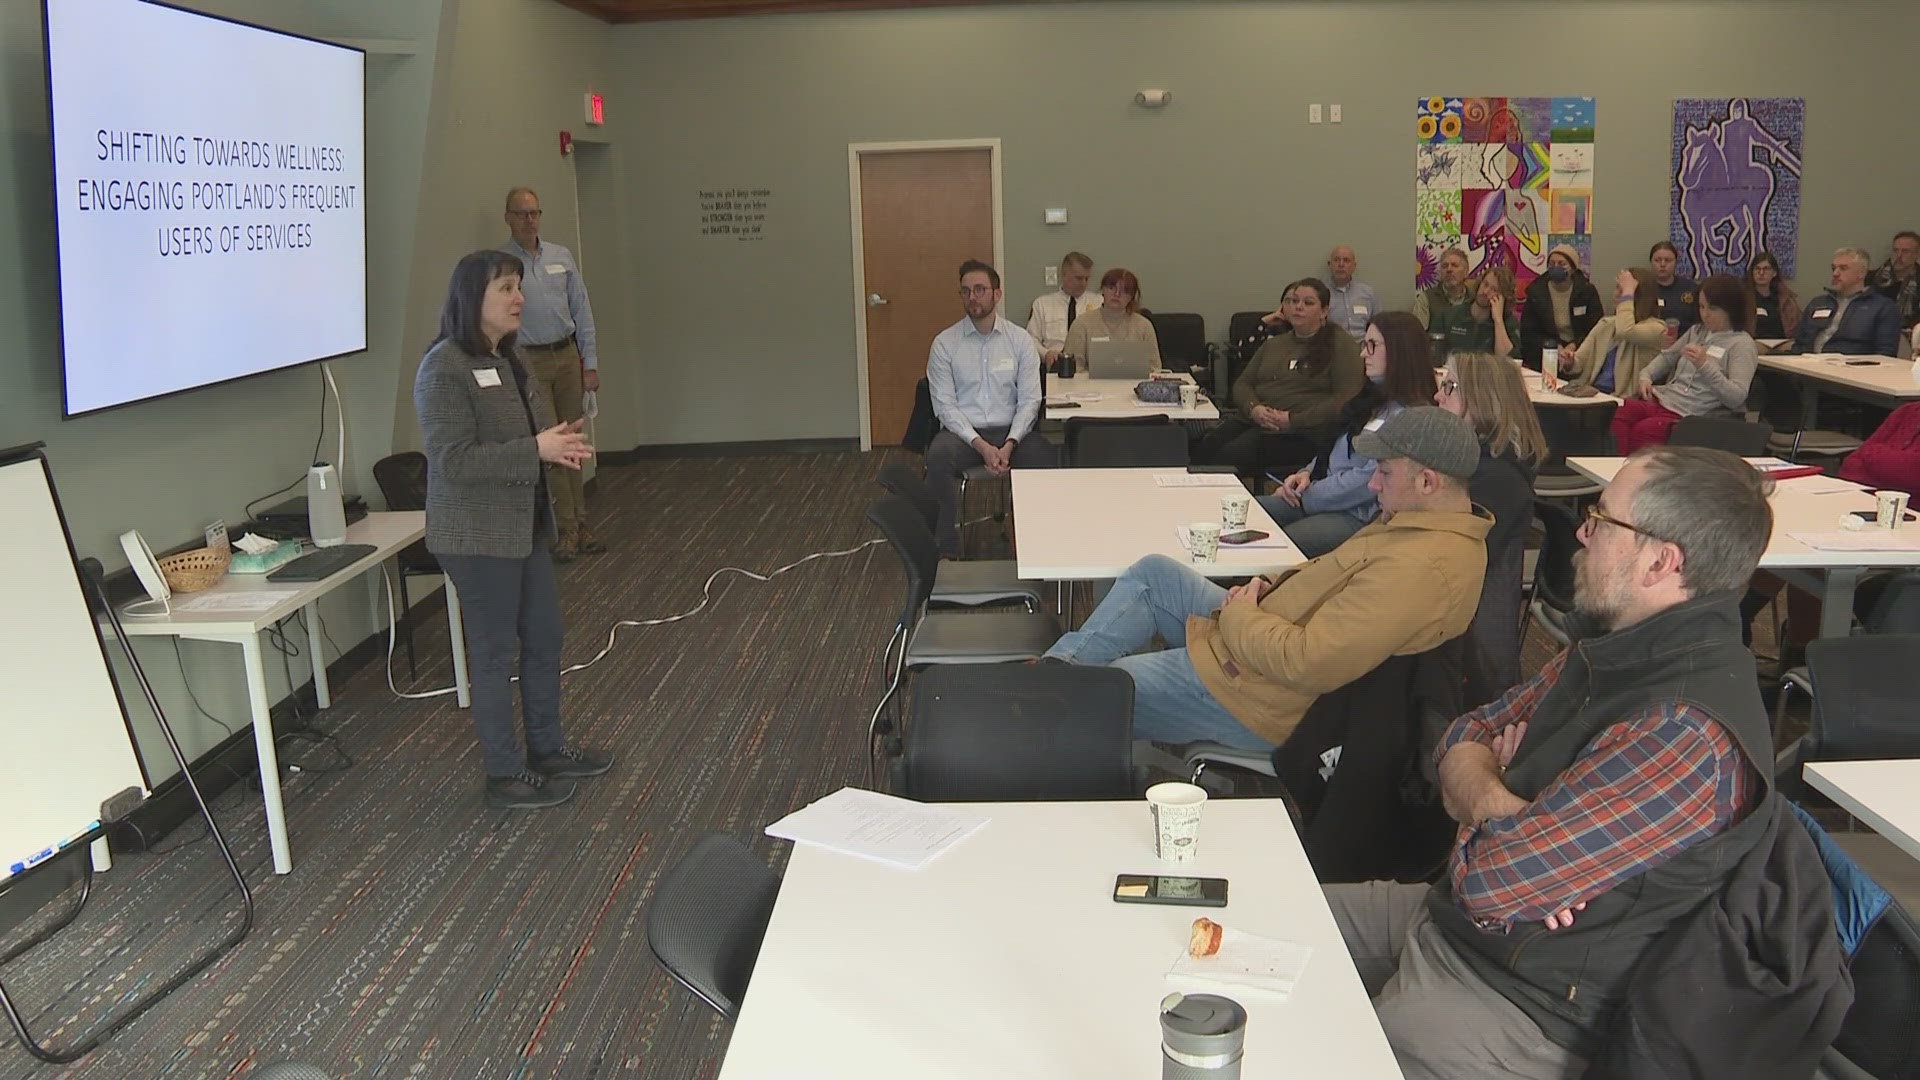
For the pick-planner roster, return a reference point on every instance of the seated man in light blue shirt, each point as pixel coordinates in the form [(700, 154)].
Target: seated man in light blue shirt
[(1353, 302), (983, 374)]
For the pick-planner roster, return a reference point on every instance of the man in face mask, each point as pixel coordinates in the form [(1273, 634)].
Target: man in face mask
[(1561, 307)]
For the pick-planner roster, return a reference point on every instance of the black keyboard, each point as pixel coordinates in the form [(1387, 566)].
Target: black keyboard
[(322, 562)]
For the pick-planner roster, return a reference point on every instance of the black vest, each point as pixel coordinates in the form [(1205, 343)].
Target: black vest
[(1568, 980)]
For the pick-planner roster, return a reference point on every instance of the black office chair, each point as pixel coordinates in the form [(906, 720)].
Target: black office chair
[(926, 638), (1183, 342), (960, 583), (403, 483), (1572, 431), (1125, 442), (1550, 596), (1880, 1037), (1862, 703), (1018, 733), (922, 424), (708, 917), (1235, 354), (1747, 438)]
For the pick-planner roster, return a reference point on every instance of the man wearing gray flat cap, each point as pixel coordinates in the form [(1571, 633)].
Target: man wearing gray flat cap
[(1243, 664)]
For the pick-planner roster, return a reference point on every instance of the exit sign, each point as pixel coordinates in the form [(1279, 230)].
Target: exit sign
[(596, 109)]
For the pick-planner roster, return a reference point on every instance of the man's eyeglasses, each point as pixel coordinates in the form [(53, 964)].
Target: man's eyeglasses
[(1595, 516), (528, 214), (976, 290)]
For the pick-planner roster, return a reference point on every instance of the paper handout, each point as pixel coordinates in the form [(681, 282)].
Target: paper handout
[(899, 832)]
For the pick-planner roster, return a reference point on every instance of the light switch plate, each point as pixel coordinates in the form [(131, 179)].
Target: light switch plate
[(1053, 275), (1333, 114), (1056, 215), (1313, 113)]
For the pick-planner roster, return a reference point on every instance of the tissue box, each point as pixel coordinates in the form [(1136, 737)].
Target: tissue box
[(285, 552)]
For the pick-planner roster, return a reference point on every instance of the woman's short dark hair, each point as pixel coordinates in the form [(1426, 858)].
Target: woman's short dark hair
[(1729, 294), (1664, 245), (1409, 379), (466, 292)]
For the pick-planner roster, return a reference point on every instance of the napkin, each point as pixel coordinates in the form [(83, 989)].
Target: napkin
[(1245, 963)]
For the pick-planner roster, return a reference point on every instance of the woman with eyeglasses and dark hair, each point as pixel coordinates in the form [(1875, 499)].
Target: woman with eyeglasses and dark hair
[(1117, 318), (1776, 310), (1319, 515), (1287, 402), (488, 432), (1707, 372), (1490, 393)]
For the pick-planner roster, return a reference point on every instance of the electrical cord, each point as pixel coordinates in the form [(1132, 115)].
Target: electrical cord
[(188, 683), (318, 438), (706, 597)]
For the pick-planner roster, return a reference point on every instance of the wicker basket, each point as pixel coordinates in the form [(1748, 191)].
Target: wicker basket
[(201, 568)]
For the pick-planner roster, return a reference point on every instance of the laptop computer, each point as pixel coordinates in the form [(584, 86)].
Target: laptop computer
[(1121, 359)]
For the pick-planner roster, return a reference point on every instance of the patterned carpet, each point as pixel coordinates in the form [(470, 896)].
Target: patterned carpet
[(421, 935)]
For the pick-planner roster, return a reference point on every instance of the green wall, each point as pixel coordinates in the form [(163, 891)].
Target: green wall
[(1215, 201)]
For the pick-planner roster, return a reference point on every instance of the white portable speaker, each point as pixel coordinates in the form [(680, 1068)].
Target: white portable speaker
[(147, 569)]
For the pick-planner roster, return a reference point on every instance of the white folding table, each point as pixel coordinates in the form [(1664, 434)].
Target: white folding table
[(1830, 575), (1877, 380), (250, 614), (1068, 398), (1007, 956), (1884, 794), (1091, 524)]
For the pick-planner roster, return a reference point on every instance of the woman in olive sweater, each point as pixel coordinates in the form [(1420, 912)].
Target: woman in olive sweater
[(1287, 402)]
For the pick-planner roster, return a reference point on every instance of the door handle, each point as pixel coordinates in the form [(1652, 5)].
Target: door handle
[(874, 299)]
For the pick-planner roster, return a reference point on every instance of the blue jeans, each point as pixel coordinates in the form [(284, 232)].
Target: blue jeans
[(1313, 534), (1170, 703)]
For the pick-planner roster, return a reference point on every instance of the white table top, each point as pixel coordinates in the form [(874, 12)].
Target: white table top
[(1794, 510), (1884, 794), (1091, 524), (1007, 956), (1538, 393), (1887, 377), (387, 531), (1116, 399)]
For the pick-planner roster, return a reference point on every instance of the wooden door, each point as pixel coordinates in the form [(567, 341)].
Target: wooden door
[(922, 214)]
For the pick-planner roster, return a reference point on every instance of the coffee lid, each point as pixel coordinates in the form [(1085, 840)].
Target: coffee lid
[(1202, 1024)]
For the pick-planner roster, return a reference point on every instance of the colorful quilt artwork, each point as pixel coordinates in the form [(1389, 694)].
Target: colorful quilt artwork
[(1736, 182), (1503, 179)]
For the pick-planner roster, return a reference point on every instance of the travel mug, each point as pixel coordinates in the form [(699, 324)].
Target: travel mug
[(1202, 1037)]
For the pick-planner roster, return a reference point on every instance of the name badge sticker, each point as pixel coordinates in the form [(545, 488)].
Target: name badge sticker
[(1580, 310), (556, 268), (1360, 309), (487, 376), (1822, 313), (1716, 351), (1376, 423)]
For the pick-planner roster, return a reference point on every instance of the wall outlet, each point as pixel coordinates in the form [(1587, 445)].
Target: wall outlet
[(1053, 275), (1313, 113), (1333, 114)]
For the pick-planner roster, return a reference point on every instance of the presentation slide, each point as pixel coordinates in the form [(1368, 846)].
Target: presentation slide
[(210, 199)]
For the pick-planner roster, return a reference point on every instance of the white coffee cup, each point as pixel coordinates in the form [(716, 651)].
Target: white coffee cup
[(1189, 395), (1176, 810), (1890, 508), (1233, 510), (1206, 540)]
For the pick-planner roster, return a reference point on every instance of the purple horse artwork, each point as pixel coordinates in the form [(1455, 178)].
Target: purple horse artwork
[(1730, 172)]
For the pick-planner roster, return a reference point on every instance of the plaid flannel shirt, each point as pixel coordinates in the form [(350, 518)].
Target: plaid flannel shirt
[(1646, 788)]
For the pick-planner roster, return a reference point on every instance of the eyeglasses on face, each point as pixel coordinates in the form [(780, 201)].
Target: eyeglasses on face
[(1371, 345), (976, 290), (1449, 385), (1595, 516)]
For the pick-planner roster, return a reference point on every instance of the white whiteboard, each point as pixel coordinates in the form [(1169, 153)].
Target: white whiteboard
[(65, 744)]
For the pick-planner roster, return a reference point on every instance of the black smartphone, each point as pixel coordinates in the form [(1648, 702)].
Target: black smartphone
[(1064, 405), (1162, 889), (1218, 470), (1244, 536), (1863, 363)]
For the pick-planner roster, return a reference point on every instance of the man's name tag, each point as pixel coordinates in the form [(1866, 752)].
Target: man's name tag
[(487, 376), (1003, 363), (1376, 423), (1716, 351), (1821, 313), (1100, 339), (1581, 310), (556, 268), (1759, 311), (1359, 309)]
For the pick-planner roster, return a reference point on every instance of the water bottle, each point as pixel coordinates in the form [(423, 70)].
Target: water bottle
[(326, 512), (1202, 1037)]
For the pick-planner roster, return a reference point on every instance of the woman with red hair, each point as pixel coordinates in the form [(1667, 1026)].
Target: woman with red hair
[(1117, 318)]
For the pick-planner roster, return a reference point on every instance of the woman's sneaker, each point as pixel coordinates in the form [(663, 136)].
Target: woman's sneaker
[(526, 791)]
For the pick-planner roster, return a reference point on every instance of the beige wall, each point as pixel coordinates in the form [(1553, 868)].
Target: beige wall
[(1216, 200)]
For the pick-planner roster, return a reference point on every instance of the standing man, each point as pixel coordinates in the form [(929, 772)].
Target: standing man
[(1898, 279), (1679, 297), (557, 340), (1054, 314), (1849, 318), (983, 374), (1353, 301)]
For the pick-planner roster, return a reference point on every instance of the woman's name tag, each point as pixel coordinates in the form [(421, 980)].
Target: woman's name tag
[(487, 376)]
